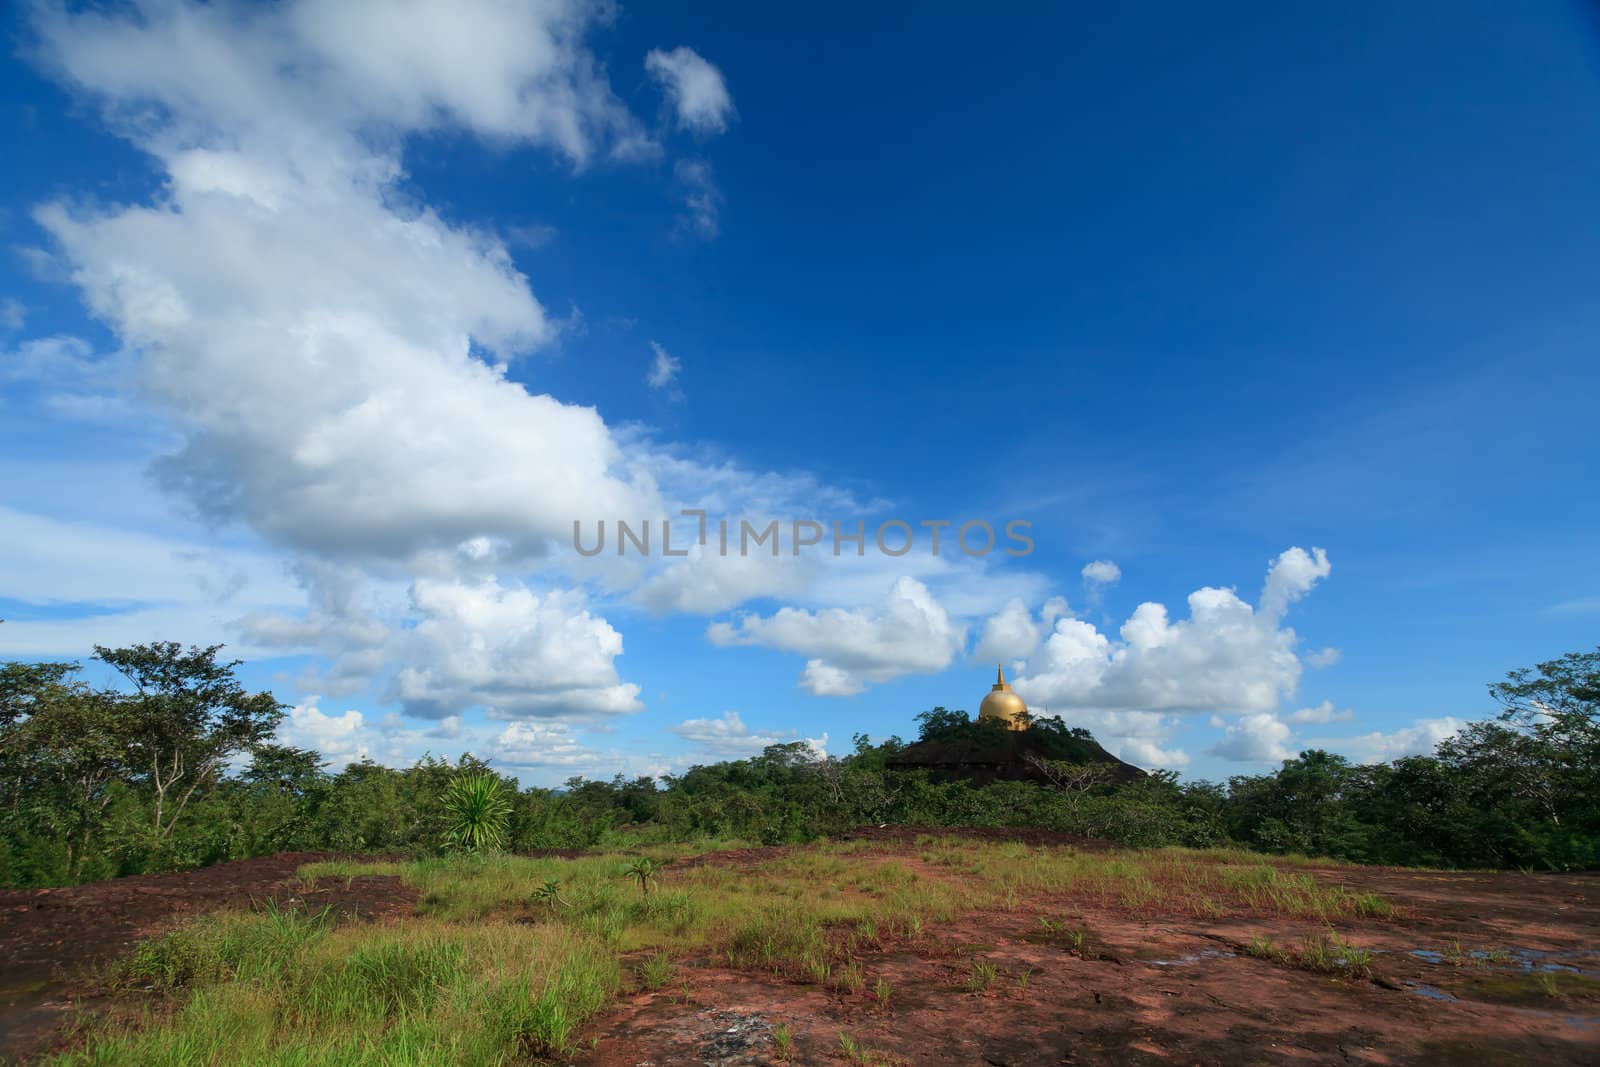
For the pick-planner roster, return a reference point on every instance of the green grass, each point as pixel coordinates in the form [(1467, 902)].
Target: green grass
[(1328, 953), (1262, 947), (498, 967), (266, 990), (656, 971)]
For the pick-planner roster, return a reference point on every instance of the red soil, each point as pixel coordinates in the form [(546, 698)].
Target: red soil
[(51, 939), (1167, 989), (1152, 988)]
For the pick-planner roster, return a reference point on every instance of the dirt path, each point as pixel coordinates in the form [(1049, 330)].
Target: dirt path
[(51, 939)]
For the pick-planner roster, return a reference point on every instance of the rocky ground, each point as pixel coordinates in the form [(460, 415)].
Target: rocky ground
[(1474, 968)]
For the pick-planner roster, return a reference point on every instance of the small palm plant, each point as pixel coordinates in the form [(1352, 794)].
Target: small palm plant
[(479, 810), (643, 870), (549, 893)]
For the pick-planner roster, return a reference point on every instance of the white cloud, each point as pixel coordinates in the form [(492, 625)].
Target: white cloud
[(1224, 657), (335, 355), (1257, 738), (508, 72), (522, 748), (729, 737), (1417, 739), (823, 679), (664, 368), (695, 88), (1014, 633), (518, 653), (1291, 576), (702, 200), (1322, 713), (1143, 752), (1101, 572), (334, 358), (533, 745), (311, 375), (911, 633), (1325, 657), (341, 739), (12, 314), (1142, 738), (706, 582)]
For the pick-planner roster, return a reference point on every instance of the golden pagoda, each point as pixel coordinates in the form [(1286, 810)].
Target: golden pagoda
[(1003, 704)]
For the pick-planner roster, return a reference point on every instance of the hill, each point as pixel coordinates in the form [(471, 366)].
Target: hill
[(955, 747)]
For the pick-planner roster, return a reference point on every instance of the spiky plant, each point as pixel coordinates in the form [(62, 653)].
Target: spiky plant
[(479, 810)]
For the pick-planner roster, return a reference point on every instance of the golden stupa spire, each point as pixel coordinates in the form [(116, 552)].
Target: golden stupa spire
[(1002, 703)]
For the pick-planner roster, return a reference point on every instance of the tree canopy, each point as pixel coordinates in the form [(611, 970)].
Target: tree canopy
[(179, 766)]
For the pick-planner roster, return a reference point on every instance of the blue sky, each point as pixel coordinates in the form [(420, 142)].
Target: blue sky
[(320, 326)]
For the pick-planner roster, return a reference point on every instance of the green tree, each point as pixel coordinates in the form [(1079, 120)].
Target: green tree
[(188, 716), (64, 746)]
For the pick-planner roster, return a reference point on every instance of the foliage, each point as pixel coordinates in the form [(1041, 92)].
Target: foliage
[(178, 768), (643, 871), (479, 812), (187, 717)]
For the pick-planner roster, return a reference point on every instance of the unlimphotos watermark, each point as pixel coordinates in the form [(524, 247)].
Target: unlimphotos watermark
[(737, 537)]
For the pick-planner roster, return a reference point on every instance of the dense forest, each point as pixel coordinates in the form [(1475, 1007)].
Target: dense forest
[(178, 768)]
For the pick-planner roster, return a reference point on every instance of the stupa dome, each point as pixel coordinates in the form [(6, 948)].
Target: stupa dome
[(1003, 704)]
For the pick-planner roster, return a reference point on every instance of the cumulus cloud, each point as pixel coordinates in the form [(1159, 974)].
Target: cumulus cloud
[(664, 368), (520, 747), (1147, 753), (1226, 656), (532, 745), (1101, 572), (508, 72), (1418, 739), (311, 375), (511, 650), (1322, 713), (706, 582), (334, 354), (1257, 738), (1324, 657), (728, 737), (342, 739), (694, 87), (910, 633), (335, 357), (1291, 576), (1014, 633)]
